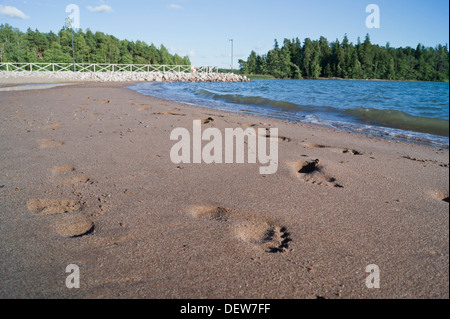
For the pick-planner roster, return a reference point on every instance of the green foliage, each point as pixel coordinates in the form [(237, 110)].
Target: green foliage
[(319, 58), (34, 46)]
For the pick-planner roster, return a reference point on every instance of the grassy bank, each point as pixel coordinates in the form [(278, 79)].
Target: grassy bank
[(260, 76)]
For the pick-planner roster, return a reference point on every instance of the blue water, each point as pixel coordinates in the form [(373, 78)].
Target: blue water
[(412, 111)]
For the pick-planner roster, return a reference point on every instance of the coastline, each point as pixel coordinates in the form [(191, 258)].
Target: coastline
[(150, 226), (375, 121)]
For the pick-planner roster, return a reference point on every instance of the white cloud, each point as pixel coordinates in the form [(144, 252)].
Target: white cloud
[(12, 12), (175, 6), (103, 8), (192, 54)]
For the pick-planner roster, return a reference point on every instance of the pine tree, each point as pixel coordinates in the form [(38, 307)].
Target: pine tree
[(34, 46)]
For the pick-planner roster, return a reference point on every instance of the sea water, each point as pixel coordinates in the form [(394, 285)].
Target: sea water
[(411, 111)]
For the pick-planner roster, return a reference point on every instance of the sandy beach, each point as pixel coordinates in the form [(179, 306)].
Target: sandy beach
[(86, 178)]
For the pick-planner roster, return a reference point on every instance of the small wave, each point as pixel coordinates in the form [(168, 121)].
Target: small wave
[(400, 120), (414, 117), (249, 100)]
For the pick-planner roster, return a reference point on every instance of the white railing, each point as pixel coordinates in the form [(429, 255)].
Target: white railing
[(101, 67)]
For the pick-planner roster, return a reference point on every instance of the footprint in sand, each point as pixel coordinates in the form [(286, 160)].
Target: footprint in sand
[(70, 180), (214, 115), (351, 152), (270, 237), (66, 179), (58, 170), (248, 125), (49, 143), (316, 146), (169, 113), (73, 220), (208, 120), (103, 101), (210, 213), (267, 132), (74, 226), (53, 127), (425, 161), (138, 104), (443, 196), (280, 138), (256, 231), (312, 171), (346, 151), (145, 107), (77, 180), (52, 207)]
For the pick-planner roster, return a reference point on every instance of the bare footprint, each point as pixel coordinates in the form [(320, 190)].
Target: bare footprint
[(139, 104), (210, 213), (58, 170), (351, 152), (280, 138), (103, 101), (74, 226), (52, 207), (443, 196), (77, 180), (49, 143), (257, 231), (208, 120), (248, 125), (268, 236), (346, 151), (53, 127), (309, 145), (169, 113), (312, 171), (267, 132), (425, 161), (216, 115), (96, 114), (72, 220)]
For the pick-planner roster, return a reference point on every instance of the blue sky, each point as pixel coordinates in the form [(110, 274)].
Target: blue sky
[(202, 28)]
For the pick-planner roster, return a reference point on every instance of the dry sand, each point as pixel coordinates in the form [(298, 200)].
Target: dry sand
[(86, 179)]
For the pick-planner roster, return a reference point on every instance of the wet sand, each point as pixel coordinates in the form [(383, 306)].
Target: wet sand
[(86, 178)]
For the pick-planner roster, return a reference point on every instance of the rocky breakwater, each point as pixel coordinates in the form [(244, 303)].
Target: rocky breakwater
[(124, 76)]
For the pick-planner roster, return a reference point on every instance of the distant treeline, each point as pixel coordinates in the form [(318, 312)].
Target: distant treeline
[(35, 47), (319, 58)]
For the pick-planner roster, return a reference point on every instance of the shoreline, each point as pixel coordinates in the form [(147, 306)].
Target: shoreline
[(391, 133), (21, 86), (86, 179), (23, 80)]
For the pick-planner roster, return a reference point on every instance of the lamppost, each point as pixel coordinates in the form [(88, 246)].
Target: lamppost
[(69, 25), (232, 53)]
